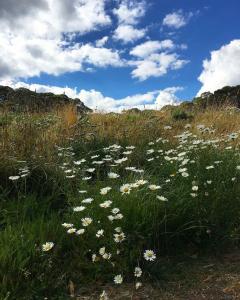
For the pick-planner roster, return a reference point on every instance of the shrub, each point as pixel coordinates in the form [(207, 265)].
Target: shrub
[(180, 114)]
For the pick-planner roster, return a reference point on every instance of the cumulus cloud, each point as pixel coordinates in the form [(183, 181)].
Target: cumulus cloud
[(35, 39), (52, 17), (155, 59), (150, 100), (96, 100), (128, 14), (149, 47), (101, 42), (130, 11), (168, 97), (44, 36), (177, 19), (127, 33), (156, 65), (222, 69), (27, 58)]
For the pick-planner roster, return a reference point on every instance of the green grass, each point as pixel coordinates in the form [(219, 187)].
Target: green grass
[(33, 208)]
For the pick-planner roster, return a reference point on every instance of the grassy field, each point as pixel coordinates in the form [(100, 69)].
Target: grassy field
[(111, 198)]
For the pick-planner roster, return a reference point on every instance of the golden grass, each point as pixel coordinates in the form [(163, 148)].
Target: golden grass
[(23, 135), (69, 115), (145, 126)]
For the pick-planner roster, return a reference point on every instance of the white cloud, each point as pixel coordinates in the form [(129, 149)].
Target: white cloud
[(222, 69), (35, 39), (155, 59), (27, 58), (129, 11), (168, 97), (96, 100), (150, 100), (101, 42), (127, 33), (177, 19), (42, 18), (100, 57), (149, 47), (156, 65)]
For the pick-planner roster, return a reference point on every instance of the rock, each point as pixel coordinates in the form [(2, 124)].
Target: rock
[(227, 96), (23, 99)]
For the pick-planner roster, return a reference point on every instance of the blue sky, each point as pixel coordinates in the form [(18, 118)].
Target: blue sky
[(104, 51)]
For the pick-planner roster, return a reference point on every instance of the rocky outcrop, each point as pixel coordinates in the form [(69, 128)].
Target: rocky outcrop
[(23, 99), (227, 96)]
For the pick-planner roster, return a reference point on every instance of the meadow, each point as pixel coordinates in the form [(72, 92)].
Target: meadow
[(88, 200)]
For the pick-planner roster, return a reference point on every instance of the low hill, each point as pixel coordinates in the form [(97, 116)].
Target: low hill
[(22, 99), (228, 95)]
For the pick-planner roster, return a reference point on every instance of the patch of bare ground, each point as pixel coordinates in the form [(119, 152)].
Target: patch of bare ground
[(197, 279)]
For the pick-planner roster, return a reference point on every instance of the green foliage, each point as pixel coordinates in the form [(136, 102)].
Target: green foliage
[(201, 214), (179, 114)]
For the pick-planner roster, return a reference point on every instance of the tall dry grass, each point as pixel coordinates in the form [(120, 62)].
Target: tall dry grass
[(26, 134), (136, 127), (32, 208)]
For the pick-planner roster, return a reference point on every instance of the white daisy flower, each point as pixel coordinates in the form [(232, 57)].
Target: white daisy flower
[(87, 200), (209, 167), (86, 178), (138, 272), (104, 296), (111, 218), (105, 204), (195, 188), (118, 216), (115, 211), (91, 170), (149, 255), (154, 187), (80, 231), (100, 233), (162, 198), (138, 285), (71, 230), (125, 189), (82, 192), (118, 238), (67, 225), (118, 279), (127, 152), (47, 246), (79, 208), (113, 175), (86, 221), (107, 256), (105, 190), (13, 178), (194, 195), (102, 250), (94, 257)]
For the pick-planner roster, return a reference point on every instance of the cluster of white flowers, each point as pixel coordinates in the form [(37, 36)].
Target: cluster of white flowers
[(22, 173), (181, 158)]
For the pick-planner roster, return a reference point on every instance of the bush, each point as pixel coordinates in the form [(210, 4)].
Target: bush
[(180, 114)]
